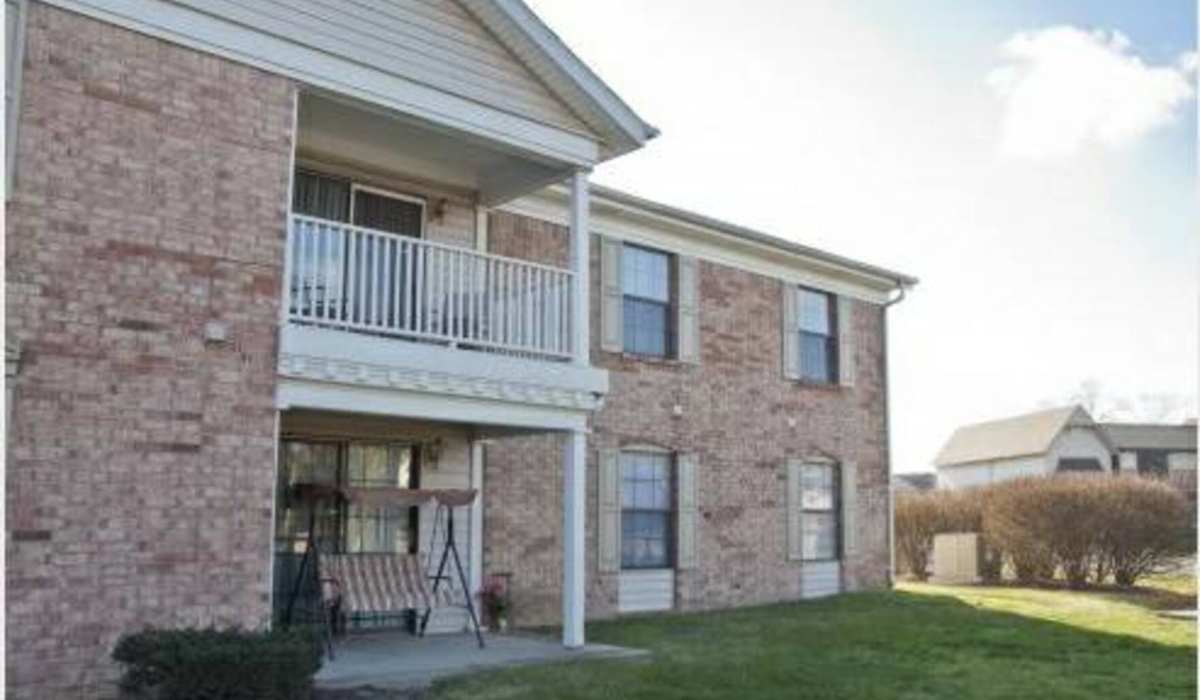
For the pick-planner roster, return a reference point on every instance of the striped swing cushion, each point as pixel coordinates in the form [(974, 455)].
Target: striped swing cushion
[(374, 583)]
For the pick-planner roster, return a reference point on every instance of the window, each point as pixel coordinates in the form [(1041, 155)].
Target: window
[(645, 510), (820, 512), (645, 286), (387, 528), (341, 527), (818, 337), (325, 289)]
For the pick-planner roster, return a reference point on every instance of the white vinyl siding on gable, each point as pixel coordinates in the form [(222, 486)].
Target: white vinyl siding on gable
[(434, 42)]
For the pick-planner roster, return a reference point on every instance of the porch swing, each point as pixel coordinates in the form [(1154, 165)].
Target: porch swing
[(383, 582)]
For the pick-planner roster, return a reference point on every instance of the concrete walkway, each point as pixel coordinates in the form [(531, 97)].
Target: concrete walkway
[(398, 661)]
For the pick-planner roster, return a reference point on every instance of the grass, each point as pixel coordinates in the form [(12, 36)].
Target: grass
[(919, 642)]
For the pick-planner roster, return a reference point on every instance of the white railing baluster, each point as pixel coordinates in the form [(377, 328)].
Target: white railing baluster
[(458, 291), (419, 313), (354, 278)]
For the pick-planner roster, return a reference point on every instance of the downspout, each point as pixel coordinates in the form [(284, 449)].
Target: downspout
[(887, 431)]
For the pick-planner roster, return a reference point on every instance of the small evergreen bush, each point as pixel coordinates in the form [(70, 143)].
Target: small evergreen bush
[(218, 664)]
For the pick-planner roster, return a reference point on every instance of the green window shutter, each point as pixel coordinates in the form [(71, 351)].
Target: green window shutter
[(687, 309), (849, 524), (611, 296), (795, 549), (791, 331), (845, 318), (609, 512), (685, 527)]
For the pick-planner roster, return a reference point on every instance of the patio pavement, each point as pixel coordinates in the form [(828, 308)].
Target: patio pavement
[(399, 661)]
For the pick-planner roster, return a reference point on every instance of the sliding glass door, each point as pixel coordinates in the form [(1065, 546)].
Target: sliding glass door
[(339, 527)]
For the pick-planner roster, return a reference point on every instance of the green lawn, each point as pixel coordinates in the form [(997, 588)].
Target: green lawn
[(921, 641)]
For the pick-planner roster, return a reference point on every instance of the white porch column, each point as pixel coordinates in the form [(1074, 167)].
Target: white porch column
[(579, 265), (574, 522), (476, 553)]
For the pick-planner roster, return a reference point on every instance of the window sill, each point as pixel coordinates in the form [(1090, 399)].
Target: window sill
[(648, 570), (832, 387), (625, 356)]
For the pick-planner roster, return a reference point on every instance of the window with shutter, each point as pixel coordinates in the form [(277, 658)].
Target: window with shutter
[(646, 301), (817, 343), (646, 509), (815, 511)]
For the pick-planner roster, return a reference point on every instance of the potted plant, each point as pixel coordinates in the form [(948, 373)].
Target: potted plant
[(493, 598)]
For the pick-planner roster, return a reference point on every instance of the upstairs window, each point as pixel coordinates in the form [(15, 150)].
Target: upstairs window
[(646, 290), (818, 337)]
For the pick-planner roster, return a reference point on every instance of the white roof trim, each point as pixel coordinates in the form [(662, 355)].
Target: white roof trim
[(564, 73), (639, 221)]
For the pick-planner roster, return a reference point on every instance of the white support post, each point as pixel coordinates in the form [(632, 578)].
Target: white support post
[(580, 338), (574, 522), (476, 553)]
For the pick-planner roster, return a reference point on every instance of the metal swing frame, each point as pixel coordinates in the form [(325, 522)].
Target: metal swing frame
[(446, 500)]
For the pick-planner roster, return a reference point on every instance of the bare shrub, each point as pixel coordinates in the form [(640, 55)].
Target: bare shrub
[(1145, 526), (920, 516), (1016, 518), (917, 518)]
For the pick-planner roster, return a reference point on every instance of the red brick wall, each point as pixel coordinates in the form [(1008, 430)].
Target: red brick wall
[(736, 407), (150, 199)]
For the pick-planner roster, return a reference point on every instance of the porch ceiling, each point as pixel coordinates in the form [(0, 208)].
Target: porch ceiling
[(378, 139)]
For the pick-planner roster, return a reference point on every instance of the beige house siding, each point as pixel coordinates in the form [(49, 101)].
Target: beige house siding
[(433, 42)]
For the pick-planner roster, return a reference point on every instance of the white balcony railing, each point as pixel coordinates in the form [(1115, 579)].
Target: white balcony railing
[(368, 281)]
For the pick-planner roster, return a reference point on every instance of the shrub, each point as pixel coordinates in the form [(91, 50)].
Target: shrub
[(212, 664), (917, 520), (1086, 526), (1145, 526), (1015, 518), (920, 516)]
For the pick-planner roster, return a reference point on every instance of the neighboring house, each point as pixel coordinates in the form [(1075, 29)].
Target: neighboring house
[(1034, 444), (253, 247), (1153, 448), (916, 481)]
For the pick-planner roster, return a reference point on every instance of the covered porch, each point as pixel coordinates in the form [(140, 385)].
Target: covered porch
[(364, 452)]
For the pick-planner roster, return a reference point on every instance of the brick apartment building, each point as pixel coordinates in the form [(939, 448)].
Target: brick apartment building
[(249, 247)]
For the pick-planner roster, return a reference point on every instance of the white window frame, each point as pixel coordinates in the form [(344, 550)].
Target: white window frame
[(370, 189), (838, 522), (672, 513)]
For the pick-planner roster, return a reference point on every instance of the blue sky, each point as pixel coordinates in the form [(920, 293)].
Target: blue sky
[(1033, 162)]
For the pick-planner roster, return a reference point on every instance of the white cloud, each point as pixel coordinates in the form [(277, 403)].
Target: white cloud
[(1065, 88)]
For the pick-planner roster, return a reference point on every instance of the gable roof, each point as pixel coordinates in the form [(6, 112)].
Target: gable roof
[(1152, 436), (549, 58), (1017, 436), (916, 481)]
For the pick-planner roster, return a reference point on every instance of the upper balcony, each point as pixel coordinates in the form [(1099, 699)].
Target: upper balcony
[(380, 284), (415, 320)]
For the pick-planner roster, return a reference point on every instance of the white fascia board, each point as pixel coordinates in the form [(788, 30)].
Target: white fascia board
[(465, 365), (684, 238), (574, 79), (309, 65), (292, 393)]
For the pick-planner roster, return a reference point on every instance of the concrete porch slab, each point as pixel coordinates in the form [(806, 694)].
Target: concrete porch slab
[(398, 661)]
